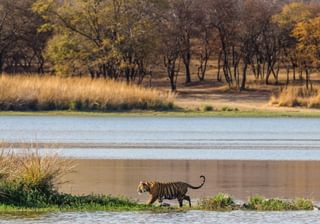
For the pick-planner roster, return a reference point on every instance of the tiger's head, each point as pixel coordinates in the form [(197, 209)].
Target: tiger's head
[(143, 187)]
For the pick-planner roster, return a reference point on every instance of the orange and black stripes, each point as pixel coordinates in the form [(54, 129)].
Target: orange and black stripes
[(169, 191)]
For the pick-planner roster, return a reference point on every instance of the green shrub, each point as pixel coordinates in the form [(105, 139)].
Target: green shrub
[(303, 204), (274, 204), (219, 202), (206, 108), (229, 109)]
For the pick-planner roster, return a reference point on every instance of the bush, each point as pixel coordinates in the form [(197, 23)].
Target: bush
[(303, 204), (274, 204), (219, 202), (229, 109), (207, 108), (30, 181)]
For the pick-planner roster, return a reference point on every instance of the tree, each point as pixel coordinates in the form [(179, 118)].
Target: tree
[(255, 16), (184, 12), (101, 37), (290, 15), (308, 36), (21, 45), (171, 45), (206, 36), (224, 17)]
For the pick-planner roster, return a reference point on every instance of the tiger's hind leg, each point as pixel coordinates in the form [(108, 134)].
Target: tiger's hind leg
[(187, 198), (180, 200)]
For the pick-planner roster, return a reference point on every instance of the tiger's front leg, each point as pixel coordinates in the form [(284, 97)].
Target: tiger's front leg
[(151, 200)]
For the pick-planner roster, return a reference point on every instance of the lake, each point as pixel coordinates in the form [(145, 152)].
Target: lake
[(275, 157), (169, 138)]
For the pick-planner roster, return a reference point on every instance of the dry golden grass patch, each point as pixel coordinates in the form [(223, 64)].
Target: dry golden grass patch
[(57, 93), (44, 171), (297, 96), (31, 168)]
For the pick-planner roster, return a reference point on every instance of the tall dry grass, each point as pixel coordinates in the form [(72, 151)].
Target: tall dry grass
[(33, 169), (297, 97), (57, 93), (29, 179)]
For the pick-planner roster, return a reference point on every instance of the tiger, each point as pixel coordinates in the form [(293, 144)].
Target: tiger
[(174, 190)]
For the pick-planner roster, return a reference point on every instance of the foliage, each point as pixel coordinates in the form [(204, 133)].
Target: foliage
[(292, 14), (21, 46), (207, 108), (100, 37), (135, 39), (308, 36), (262, 204), (229, 109), (219, 202)]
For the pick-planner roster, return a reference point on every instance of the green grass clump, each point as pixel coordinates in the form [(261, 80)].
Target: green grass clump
[(303, 204), (206, 108), (218, 202), (260, 203), (229, 109)]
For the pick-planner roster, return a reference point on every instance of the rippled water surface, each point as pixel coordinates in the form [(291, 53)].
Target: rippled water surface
[(186, 138), (238, 217)]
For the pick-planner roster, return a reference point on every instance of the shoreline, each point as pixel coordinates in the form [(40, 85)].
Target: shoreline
[(186, 114), (219, 203)]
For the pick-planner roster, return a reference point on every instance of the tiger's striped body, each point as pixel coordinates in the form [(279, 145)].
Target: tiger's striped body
[(174, 190)]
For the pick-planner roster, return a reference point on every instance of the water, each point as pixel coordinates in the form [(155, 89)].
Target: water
[(275, 157), (241, 179), (237, 217), (170, 138)]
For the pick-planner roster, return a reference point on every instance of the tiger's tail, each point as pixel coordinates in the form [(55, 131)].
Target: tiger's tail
[(204, 180)]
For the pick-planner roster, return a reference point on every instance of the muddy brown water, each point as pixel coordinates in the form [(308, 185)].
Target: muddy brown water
[(241, 179)]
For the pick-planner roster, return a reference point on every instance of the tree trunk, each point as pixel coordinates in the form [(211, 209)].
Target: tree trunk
[(307, 75), (186, 61), (288, 73), (244, 77), (219, 67)]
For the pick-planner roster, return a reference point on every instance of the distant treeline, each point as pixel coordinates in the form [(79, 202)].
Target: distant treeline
[(129, 39)]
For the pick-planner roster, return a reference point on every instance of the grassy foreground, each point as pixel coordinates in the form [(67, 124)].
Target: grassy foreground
[(37, 93)]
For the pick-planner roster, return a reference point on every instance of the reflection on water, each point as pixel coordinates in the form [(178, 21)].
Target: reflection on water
[(236, 217), (285, 179)]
